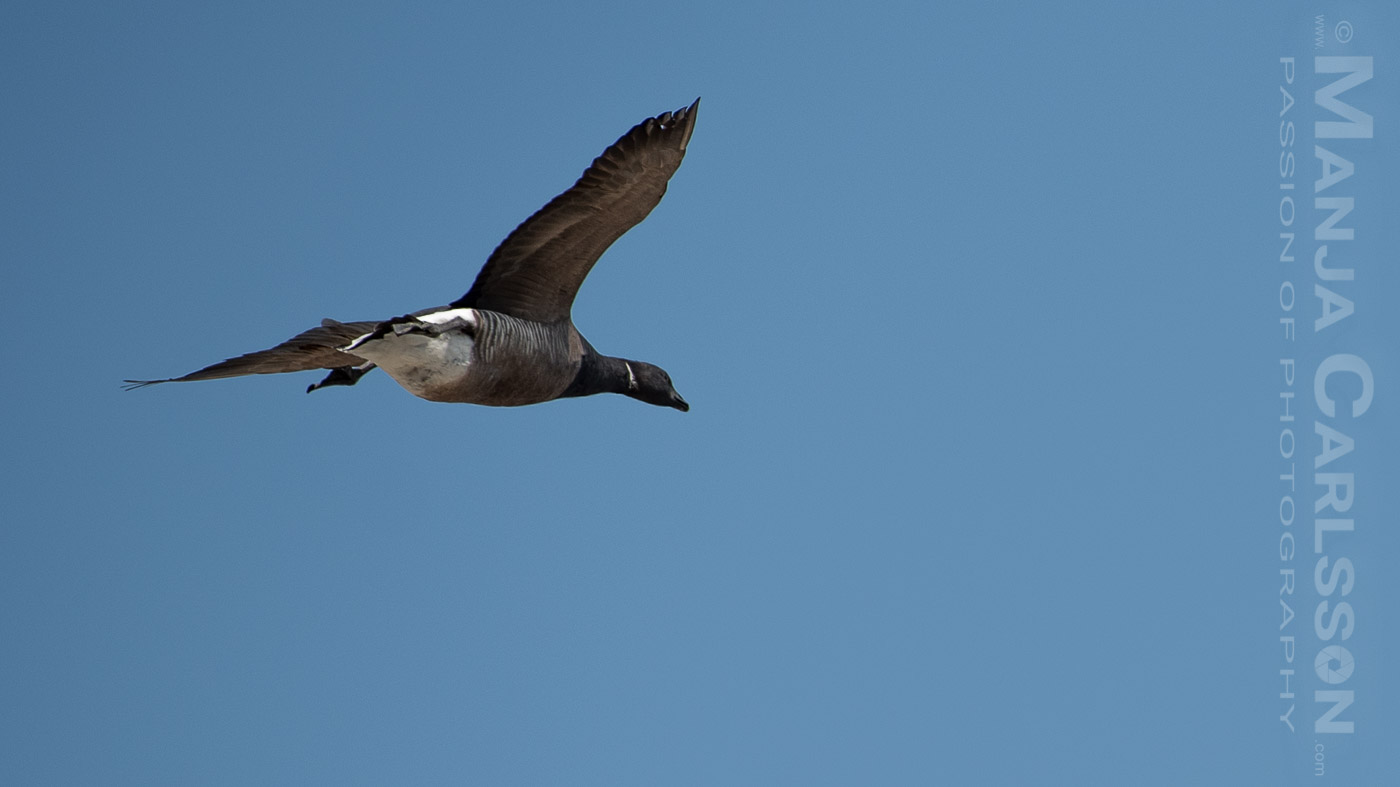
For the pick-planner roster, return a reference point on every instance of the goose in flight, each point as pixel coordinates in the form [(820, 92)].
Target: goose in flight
[(510, 340)]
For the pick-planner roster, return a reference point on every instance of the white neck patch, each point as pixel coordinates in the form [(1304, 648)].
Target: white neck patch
[(631, 377)]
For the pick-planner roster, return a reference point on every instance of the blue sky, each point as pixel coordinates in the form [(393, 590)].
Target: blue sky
[(977, 309)]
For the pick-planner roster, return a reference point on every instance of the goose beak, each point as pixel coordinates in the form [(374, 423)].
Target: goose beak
[(679, 403)]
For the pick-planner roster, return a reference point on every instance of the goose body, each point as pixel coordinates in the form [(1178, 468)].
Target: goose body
[(478, 357), (510, 340)]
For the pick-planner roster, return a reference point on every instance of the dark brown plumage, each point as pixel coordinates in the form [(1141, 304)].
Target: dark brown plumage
[(510, 339), (536, 271)]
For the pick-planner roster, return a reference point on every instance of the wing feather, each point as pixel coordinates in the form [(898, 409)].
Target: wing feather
[(537, 270), (313, 349)]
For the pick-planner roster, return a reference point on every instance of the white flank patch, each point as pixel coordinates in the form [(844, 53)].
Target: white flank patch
[(438, 318), (419, 362), (352, 345)]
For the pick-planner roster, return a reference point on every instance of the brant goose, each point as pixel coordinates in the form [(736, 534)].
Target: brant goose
[(510, 340)]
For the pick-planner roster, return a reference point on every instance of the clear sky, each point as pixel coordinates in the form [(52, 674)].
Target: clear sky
[(977, 306)]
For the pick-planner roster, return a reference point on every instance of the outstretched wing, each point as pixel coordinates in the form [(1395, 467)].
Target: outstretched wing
[(313, 349), (536, 271)]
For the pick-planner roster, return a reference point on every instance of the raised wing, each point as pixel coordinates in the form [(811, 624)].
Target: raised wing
[(536, 271)]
